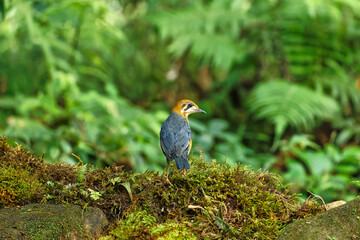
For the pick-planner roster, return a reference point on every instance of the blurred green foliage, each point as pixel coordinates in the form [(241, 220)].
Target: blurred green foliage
[(279, 79), (326, 170)]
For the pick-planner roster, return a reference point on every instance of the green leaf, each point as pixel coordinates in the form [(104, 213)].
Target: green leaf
[(222, 224), (128, 189), (352, 154), (296, 172), (318, 162)]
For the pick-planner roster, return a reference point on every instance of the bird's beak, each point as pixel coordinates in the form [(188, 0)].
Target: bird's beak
[(200, 111)]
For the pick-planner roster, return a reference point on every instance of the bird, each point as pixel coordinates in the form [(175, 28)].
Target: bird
[(175, 135)]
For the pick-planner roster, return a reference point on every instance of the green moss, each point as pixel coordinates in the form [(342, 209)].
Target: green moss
[(135, 226), (142, 225), (172, 230), (17, 185)]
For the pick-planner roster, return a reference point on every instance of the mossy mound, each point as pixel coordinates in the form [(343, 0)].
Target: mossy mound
[(212, 201)]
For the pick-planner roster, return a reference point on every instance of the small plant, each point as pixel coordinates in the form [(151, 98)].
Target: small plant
[(115, 180), (94, 195)]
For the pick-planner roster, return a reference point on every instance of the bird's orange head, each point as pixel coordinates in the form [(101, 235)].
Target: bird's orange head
[(186, 107)]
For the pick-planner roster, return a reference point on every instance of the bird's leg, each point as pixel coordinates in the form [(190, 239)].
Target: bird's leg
[(184, 172), (167, 172)]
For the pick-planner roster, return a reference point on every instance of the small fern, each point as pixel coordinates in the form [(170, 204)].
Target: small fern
[(286, 104)]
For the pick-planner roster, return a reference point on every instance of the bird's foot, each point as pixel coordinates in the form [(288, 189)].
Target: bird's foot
[(184, 172), (167, 180)]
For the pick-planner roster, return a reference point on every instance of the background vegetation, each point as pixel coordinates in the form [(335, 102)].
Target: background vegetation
[(280, 81)]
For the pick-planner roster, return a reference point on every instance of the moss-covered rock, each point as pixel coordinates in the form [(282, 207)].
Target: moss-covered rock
[(212, 201), (49, 221), (342, 222)]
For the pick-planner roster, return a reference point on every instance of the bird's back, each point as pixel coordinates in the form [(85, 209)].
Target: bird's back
[(175, 136)]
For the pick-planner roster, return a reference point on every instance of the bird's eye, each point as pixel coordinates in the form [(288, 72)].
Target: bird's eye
[(187, 106)]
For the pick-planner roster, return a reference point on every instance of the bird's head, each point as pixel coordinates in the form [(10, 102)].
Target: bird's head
[(186, 107)]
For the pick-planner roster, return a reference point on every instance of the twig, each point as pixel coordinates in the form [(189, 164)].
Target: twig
[(320, 198)]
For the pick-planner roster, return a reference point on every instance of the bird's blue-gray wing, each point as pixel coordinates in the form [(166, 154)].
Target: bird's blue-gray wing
[(182, 147), (182, 142), (167, 141)]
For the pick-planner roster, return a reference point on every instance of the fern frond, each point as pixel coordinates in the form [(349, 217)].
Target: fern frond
[(209, 31), (220, 50), (286, 104)]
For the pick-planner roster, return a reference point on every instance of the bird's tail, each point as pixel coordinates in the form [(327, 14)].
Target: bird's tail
[(182, 162)]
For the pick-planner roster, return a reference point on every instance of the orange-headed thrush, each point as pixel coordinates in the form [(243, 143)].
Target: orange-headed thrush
[(175, 135)]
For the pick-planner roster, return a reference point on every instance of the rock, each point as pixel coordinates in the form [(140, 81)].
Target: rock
[(342, 222), (50, 221)]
